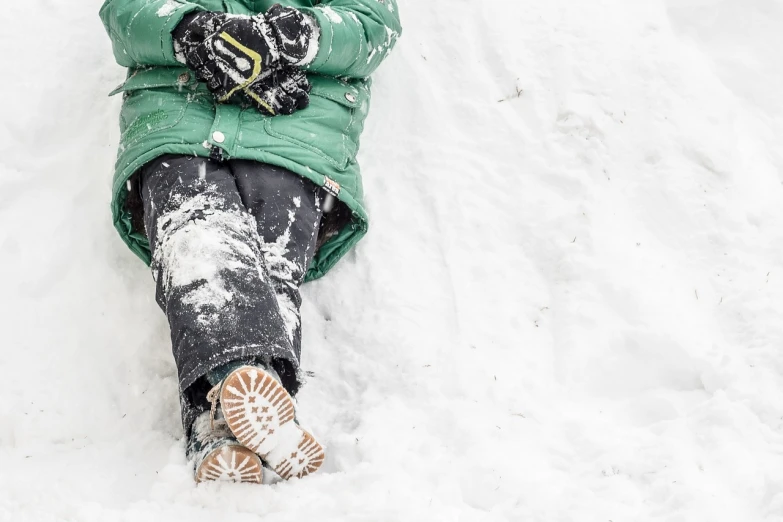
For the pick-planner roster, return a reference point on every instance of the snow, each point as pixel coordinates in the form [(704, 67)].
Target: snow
[(568, 307), (331, 14), (284, 270), (169, 7), (197, 244)]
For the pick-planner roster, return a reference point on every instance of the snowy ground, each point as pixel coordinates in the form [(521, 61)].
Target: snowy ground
[(568, 308)]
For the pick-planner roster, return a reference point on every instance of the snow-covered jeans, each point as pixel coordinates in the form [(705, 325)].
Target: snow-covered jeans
[(231, 243)]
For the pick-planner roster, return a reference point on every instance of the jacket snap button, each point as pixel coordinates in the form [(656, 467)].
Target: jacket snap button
[(184, 78), (350, 97), (218, 137)]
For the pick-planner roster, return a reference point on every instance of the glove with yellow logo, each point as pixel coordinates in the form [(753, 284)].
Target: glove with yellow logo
[(235, 50)]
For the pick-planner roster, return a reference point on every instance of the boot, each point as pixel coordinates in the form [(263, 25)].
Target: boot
[(259, 412), (219, 456)]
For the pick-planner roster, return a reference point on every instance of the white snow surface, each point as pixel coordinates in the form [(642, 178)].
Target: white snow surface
[(568, 308)]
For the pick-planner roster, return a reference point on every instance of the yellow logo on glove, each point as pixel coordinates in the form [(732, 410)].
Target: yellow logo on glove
[(255, 59)]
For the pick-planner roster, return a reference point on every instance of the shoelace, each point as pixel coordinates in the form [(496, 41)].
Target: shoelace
[(213, 398)]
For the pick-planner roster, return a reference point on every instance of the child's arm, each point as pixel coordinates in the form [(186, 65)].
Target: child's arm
[(356, 35), (140, 30)]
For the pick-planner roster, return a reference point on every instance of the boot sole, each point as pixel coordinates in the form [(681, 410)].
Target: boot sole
[(231, 463), (260, 414)]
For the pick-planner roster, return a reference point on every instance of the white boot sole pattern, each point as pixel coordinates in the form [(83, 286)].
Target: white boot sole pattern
[(260, 414), (231, 463)]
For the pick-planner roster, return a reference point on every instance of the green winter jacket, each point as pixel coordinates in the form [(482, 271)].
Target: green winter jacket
[(166, 111)]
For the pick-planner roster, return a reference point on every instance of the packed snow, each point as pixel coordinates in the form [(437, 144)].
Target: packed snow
[(568, 307)]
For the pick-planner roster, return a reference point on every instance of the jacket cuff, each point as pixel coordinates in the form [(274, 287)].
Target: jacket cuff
[(326, 20), (172, 11)]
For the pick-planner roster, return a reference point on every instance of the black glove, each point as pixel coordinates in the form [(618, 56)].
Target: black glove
[(252, 54), (296, 34), (284, 91), (193, 30), (234, 50)]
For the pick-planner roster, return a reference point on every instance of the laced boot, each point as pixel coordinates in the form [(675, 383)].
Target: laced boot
[(219, 456), (259, 412)]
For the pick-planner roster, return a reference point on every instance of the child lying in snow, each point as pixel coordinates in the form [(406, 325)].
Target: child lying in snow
[(237, 181)]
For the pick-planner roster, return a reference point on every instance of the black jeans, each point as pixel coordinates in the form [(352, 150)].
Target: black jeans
[(231, 243)]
